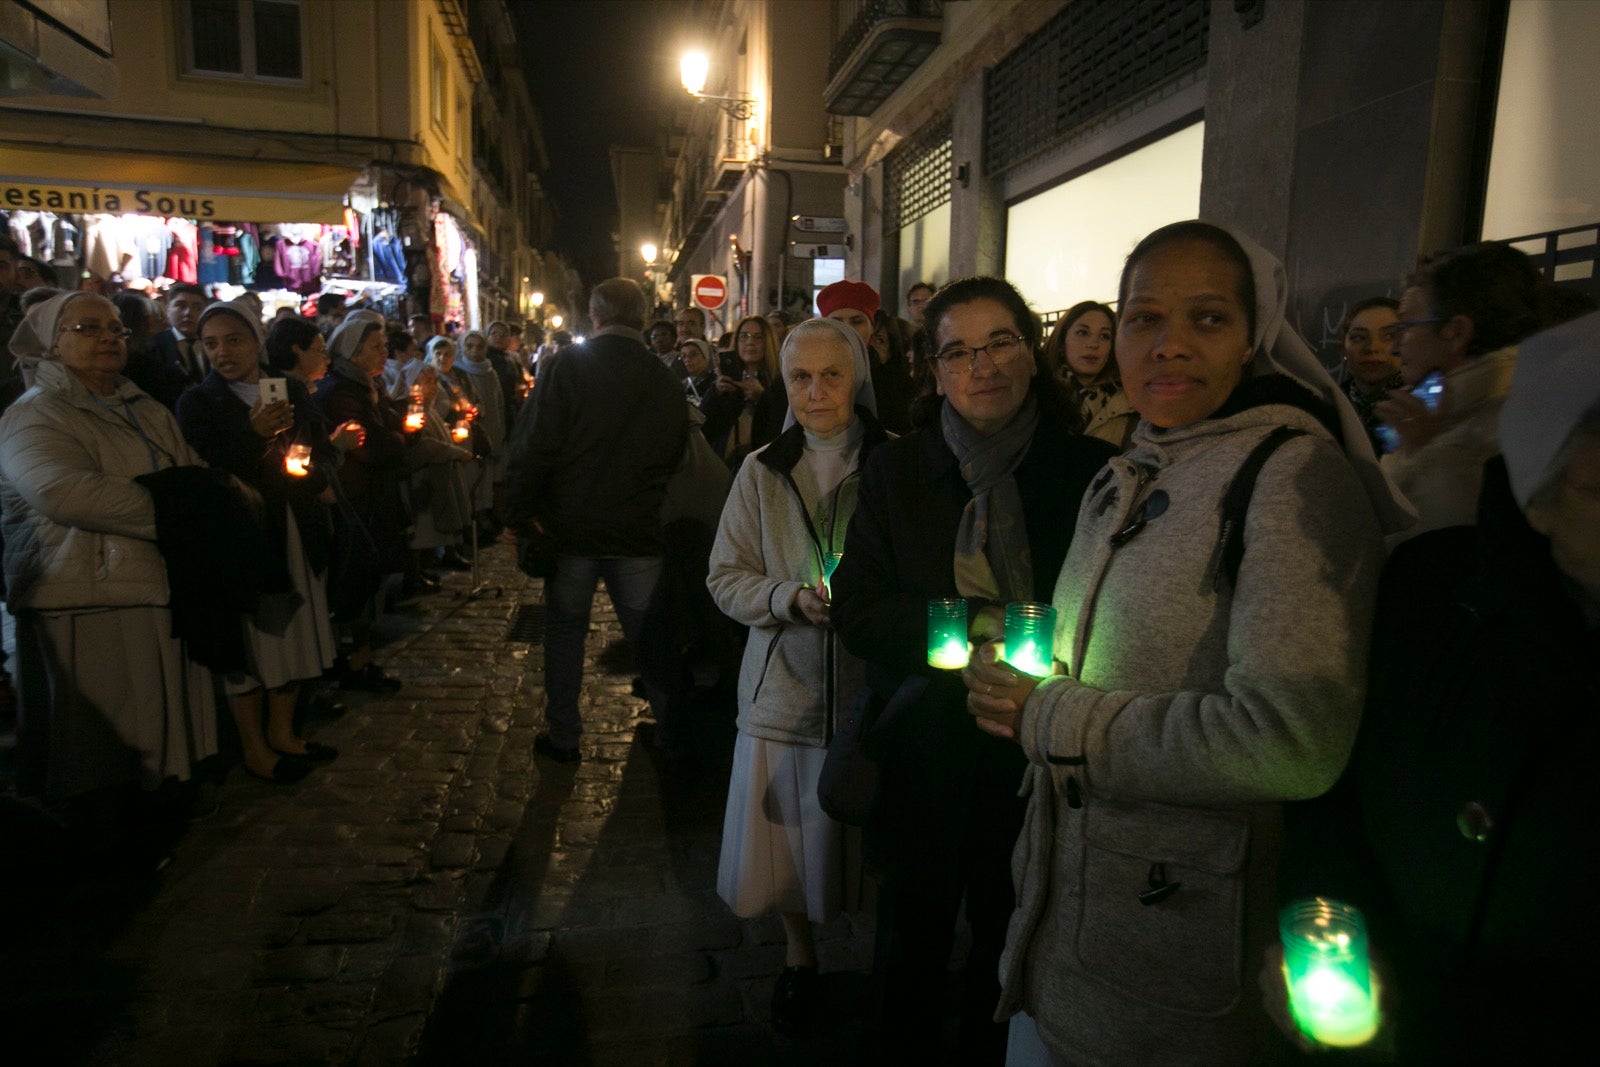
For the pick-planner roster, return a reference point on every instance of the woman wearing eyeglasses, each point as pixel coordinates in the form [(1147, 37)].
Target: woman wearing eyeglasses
[(979, 501), (108, 698)]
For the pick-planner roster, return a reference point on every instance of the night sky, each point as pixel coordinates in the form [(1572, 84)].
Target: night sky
[(599, 71)]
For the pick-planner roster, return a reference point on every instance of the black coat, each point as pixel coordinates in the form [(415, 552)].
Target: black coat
[(157, 368), (1483, 718), (217, 425), (371, 474), (590, 457), (942, 775)]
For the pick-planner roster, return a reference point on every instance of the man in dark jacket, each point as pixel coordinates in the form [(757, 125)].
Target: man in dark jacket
[(588, 464)]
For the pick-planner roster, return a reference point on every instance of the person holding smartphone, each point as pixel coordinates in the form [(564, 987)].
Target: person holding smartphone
[(762, 408), (1461, 315)]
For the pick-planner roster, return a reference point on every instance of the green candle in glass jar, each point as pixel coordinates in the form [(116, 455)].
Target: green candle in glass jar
[(1030, 637), (947, 633), (1326, 967)]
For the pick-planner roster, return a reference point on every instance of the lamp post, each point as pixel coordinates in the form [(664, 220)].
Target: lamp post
[(693, 69)]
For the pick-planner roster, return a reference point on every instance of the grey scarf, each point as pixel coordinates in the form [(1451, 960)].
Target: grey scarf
[(992, 561)]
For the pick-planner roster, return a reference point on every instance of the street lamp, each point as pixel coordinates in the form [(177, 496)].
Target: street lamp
[(556, 321), (537, 298), (693, 70), (648, 251)]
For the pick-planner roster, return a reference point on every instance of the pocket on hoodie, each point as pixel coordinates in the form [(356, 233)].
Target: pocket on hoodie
[(1180, 948), (757, 659)]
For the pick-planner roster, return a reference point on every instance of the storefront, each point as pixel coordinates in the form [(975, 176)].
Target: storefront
[(375, 238)]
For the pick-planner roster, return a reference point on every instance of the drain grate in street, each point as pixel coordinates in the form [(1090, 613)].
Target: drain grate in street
[(527, 624)]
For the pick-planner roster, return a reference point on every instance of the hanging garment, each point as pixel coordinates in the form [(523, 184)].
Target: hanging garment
[(182, 263)]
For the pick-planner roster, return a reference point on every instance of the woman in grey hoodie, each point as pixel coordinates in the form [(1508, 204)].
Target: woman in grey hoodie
[(1204, 680)]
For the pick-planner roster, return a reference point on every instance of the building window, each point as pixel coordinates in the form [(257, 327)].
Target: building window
[(439, 85), (256, 39)]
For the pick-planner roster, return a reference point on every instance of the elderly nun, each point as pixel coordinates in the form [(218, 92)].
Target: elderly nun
[(483, 390), (108, 698), (781, 533)]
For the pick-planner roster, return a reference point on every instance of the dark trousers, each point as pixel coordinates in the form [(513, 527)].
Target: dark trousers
[(915, 931)]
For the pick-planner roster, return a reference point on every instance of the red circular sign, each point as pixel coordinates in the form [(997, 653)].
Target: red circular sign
[(710, 291)]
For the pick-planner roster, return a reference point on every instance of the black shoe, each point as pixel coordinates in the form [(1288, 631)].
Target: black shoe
[(326, 705), (315, 752), (286, 771), (549, 749), (454, 561), (370, 679), (794, 999)]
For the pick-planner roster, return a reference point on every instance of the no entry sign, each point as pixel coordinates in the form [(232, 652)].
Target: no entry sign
[(709, 291)]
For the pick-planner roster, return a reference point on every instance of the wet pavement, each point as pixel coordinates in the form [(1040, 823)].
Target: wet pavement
[(435, 895)]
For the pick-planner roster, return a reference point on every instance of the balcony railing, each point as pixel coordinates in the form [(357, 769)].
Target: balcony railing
[(878, 50)]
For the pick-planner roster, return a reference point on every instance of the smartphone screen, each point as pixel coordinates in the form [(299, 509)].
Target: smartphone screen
[(1430, 389)]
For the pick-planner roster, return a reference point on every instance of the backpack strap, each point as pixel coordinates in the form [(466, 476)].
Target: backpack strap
[(1236, 506)]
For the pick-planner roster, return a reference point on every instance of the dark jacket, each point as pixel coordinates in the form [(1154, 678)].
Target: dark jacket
[(370, 474), (590, 458), (1464, 825), (942, 775), (157, 368), (216, 423), (722, 412)]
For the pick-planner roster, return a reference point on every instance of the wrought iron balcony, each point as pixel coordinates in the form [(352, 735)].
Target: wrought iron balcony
[(880, 48)]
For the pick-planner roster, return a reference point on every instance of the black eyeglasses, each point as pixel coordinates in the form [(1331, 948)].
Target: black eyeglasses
[(116, 332), (961, 361), (1405, 324)]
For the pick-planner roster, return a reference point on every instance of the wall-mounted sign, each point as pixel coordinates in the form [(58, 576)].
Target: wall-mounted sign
[(708, 291), (818, 223), (816, 251)]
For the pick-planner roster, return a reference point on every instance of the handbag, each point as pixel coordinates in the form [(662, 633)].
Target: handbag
[(852, 772)]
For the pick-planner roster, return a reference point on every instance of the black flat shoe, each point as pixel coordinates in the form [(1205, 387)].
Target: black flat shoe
[(287, 771), (794, 999), (326, 705), (370, 679), (550, 750), (315, 751)]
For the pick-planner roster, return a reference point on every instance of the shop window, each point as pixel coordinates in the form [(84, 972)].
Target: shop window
[(1544, 166), (1068, 243), (257, 39)]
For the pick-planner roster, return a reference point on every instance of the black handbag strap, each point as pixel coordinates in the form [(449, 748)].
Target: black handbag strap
[(1236, 505)]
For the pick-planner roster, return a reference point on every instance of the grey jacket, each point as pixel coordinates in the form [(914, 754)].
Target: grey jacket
[(1187, 717), (770, 544), (79, 532)]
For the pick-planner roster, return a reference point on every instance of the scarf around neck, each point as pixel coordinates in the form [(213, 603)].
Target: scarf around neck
[(992, 561)]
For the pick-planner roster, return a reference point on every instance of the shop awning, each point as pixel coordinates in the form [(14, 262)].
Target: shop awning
[(72, 181)]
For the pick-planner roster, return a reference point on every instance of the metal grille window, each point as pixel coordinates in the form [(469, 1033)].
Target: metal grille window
[(261, 39), (916, 175), (1091, 58)]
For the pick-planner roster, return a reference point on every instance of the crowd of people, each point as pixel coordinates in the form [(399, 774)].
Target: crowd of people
[(331, 467), (1315, 634)]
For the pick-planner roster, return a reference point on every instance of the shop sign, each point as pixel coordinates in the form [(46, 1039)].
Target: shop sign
[(101, 200), (710, 290)]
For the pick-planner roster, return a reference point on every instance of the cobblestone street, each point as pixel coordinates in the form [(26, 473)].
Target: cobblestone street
[(434, 895)]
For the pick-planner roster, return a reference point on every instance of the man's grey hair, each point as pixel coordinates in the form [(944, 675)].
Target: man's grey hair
[(618, 302)]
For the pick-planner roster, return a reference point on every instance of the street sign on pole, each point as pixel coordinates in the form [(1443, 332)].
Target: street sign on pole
[(818, 223), (708, 291), (816, 251)]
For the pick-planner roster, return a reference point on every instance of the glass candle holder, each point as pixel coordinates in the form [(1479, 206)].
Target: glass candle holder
[(460, 430), (1030, 637), (947, 633), (297, 461), (1326, 968), (415, 416)]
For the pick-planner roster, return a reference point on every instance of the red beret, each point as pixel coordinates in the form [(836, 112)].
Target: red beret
[(859, 295)]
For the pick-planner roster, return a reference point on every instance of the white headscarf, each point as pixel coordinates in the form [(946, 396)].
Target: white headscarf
[(346, 339), (366, 315), (865, 396), (35, 336), (1557, 382), (240, 308), (1279, 350)]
